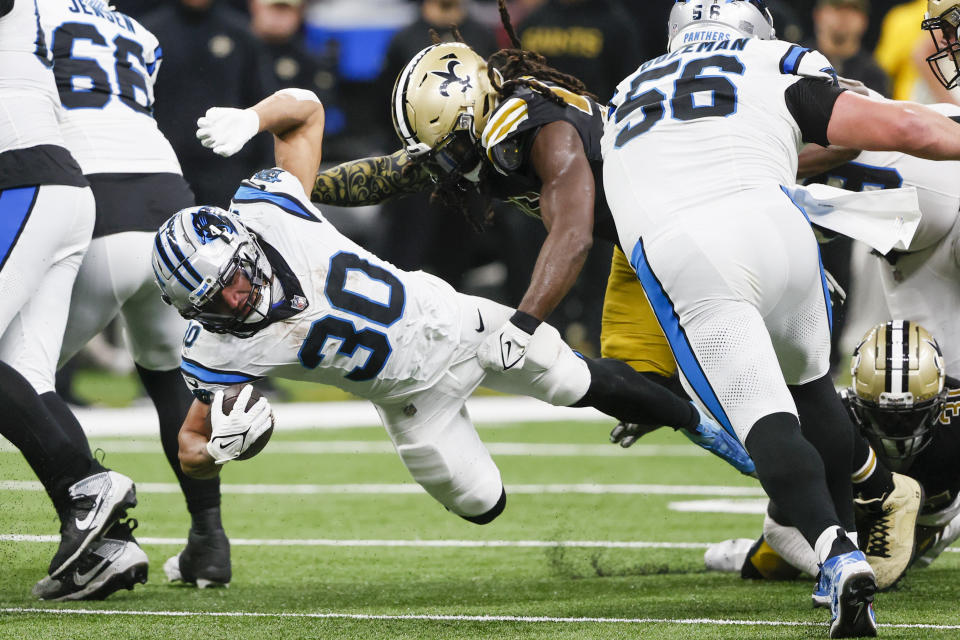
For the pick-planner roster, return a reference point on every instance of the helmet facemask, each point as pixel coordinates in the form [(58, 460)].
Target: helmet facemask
[(200, 252), (898, 390), (945, 62)]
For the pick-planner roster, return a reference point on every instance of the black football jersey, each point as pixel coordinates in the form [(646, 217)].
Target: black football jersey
[(508, 138)]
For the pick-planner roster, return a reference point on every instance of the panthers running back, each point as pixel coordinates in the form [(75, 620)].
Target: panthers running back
[(276, 290)]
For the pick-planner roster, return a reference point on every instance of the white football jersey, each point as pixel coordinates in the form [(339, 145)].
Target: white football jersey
[(705, 122), (105, 64), (365, 326), (27, 91)]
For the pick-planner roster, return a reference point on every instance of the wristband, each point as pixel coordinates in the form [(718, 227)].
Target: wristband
[(525, 322)]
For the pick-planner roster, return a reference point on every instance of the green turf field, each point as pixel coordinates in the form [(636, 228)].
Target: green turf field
[(355, 550)]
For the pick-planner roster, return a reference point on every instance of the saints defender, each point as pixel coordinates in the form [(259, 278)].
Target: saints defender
[(748, 320), (137, 183), (905, 406), (276, 290)]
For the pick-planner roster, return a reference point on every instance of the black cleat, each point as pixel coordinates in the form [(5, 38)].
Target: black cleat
[(97, 501), (111, 563), (205, 561)]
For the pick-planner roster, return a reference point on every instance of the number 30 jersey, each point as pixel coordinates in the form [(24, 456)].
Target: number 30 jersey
[(712, 119), (346, 317), (105, 65)]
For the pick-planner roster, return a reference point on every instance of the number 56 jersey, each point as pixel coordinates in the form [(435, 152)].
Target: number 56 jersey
[(708, 121), (346, 318)]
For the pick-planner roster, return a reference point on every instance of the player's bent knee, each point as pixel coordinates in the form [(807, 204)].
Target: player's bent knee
[(467, 487), (490, 515)]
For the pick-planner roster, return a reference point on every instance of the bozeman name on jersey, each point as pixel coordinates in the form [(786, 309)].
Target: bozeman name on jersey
[(508, 138), (106, 64), (346, 317)]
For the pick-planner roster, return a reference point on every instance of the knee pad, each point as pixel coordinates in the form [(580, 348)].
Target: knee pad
[(470, 488), (491, 515)]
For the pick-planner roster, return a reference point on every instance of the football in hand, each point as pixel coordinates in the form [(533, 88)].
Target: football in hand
[(229, 400)]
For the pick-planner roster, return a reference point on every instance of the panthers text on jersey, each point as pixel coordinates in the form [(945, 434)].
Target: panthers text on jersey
[(105, 64), (347, 318), (923, 283)]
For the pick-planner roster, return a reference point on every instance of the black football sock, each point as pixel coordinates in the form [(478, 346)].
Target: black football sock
[(68, 422), (172, 399), (53, 455), (791, 472), (825, 424), (871, 479), (619, 391)]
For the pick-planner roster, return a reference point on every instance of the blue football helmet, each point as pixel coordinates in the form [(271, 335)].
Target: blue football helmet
[(196, 254), (749, 18)]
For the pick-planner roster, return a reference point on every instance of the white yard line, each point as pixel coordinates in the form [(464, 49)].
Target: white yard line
[(453, 618), (411, 488), (315, 447), (321, 542)]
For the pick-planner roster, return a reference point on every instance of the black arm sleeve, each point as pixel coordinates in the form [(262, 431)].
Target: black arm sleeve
[(810, 101), (5, 7)]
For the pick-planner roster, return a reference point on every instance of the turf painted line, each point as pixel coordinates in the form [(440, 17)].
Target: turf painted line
[(466, 544), (411, 488), (337, 415), (337, 447), (746, 507), (451, 618)]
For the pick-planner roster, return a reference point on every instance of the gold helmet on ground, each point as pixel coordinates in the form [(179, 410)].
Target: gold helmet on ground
[(898, 389), (944, 16), (441, 102)]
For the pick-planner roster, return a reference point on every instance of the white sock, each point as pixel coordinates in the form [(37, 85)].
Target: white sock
[(825, 542), (791, 545), (854, 538)]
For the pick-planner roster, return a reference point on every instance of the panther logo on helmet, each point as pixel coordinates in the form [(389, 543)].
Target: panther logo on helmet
[(898, 389), (208, 224)]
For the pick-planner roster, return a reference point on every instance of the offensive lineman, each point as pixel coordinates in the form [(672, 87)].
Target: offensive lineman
[(105, 64), (276, 290), (746, 318), (47, 216)]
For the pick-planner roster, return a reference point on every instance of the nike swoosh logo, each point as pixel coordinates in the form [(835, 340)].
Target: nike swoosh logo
[(81, 579), (88, 519), (223, 445), (480, 317)]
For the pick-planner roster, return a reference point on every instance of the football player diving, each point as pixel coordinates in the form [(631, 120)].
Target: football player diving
[(275, 290), (516, 130), (905, 406)]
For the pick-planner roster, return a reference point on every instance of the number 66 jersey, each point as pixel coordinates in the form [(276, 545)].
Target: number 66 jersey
[(345, 317)]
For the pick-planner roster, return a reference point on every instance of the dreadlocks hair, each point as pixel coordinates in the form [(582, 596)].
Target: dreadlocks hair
[(507, 69)]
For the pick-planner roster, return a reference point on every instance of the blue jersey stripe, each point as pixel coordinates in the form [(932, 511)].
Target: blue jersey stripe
[(15, 208), (679, 344), (246, 195), (214, 376), (790, 61), (823, 277)]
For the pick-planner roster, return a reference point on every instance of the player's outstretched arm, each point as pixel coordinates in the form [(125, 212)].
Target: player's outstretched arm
[(295, 117), (861, 123), (814, 159), (370, 180), (195, 461)]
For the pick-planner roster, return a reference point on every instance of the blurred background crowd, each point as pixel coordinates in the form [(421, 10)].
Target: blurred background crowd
[(235, 52)]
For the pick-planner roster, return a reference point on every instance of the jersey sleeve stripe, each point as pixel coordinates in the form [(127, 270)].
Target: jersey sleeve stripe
[(246, 195), (506, 112), (790, 61), (217, 376)]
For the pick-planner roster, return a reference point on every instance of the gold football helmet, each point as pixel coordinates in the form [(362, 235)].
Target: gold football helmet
[(898, 389), (441, 102), (944, 16)]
